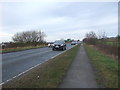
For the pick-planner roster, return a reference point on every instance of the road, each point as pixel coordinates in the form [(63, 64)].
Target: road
[(13, 64)]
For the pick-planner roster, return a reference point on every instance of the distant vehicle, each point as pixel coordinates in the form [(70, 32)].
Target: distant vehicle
[(3, 45), (74, 42), (59, 45), (50, 44)]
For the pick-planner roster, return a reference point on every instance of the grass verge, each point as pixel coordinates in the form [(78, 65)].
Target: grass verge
[(8, 50), (48, 75), (106, 68)]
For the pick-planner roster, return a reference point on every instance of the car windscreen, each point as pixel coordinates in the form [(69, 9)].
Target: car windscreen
[(74, 42), (59, 41)]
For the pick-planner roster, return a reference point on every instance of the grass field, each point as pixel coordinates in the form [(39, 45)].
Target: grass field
[(48, 75), (105, 67), (7, 50), (113, 43)]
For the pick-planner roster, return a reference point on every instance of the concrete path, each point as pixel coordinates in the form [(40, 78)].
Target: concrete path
[(80, 73)]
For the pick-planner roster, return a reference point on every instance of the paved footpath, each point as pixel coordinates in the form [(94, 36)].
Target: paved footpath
[(80, 73)]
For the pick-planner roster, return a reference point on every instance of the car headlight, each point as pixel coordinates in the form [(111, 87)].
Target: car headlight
[(62, 44), (53, 45)]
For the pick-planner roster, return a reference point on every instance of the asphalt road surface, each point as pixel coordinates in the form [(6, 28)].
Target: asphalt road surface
[(17, 62)]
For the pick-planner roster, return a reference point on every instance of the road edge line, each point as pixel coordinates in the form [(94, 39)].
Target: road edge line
[(33, 67)]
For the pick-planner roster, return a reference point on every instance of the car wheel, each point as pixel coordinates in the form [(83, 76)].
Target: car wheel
[(65, 48), (62, 49), (53, 49)]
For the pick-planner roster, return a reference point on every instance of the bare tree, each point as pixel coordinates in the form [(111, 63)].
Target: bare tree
[(91, 35), (102, 35), (90, 38), (29, 37)]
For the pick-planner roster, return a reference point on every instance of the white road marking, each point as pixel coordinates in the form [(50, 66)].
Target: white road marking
[(33, 67)]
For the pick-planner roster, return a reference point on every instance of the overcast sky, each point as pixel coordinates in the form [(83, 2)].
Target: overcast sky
[(58, 19)]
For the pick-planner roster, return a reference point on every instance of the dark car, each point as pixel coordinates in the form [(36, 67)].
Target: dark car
[(59, 45), (74, 43), (50, 44)]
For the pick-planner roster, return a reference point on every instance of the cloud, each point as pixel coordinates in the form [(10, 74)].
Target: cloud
[(4, 37), (59, 19)]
